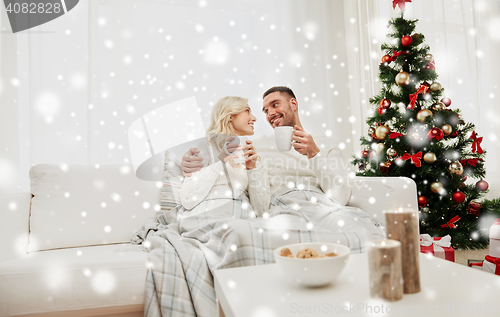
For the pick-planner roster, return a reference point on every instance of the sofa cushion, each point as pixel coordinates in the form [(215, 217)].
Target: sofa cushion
[(80, 205), (73, 279)]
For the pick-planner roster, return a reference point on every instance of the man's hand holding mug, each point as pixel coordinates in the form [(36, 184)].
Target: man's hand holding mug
[(191, 163), (302, 142)]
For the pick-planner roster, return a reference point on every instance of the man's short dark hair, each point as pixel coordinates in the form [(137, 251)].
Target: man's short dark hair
[(282, 89)]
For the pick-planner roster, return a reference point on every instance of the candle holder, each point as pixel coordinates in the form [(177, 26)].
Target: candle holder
[(402, 225), (384, 258)]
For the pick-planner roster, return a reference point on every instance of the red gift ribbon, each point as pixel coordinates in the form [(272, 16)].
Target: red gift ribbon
[(492, 259), (395, 135), (451, 223), (400, 3), (476, 144), (380, 111), (472, 162), (415, 158), (413, 97)]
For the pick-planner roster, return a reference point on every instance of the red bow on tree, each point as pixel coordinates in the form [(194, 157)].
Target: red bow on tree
[(396, 54), (413, 97), (476, 144), (400, 3), (395, 135), (415, 158), (472, 162), (451, 223)]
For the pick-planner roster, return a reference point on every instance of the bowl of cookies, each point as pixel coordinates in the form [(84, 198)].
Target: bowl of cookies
[(312, 264)]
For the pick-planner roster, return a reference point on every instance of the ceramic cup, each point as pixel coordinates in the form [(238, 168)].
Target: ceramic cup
[(242, 140), (283, 137)]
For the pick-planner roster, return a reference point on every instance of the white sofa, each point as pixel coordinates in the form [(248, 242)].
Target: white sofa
[(65, 249)]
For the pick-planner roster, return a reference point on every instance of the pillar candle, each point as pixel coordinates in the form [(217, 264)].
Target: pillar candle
[(402, 225), (384, 259)]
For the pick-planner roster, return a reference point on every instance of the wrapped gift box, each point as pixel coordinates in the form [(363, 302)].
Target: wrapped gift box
[(495, 239), (478, 266), (438, 247), (491, 264)]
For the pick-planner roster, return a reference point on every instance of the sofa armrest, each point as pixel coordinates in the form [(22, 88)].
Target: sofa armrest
[(14, 225), (378, 194)]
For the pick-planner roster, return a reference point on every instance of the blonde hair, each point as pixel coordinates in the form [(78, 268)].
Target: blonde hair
[(221, 113), (220, 124)]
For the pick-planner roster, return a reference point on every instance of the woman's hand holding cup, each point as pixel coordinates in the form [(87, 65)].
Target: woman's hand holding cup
[(228, 151), (240, 150), (252, 157)]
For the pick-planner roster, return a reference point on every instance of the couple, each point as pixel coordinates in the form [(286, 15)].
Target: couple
[(309, 181), (301, 192)]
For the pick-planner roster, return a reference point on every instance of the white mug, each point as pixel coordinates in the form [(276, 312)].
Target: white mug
[(242, 140), (283, 137)]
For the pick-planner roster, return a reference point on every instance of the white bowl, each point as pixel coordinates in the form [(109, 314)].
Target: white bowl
[(313, 271)]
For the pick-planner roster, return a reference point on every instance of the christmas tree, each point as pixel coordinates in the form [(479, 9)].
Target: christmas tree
[(415, 132)]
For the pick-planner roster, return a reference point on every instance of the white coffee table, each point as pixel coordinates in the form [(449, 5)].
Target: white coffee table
[(448, 289)]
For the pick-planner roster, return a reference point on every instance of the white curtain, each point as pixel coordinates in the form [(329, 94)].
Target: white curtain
[(464, 37), (70, 88)]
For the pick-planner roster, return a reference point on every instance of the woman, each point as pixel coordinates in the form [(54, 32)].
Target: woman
[(222, 186)]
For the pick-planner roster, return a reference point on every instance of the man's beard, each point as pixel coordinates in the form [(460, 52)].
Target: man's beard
[(287, 122)]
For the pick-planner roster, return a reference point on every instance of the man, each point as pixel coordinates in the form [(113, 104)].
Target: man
[(303, 176)]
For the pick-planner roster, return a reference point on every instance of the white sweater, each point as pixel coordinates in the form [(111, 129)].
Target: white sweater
[(326, 172), (215, 181)]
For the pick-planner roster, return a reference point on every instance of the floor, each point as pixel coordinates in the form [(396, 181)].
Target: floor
[(461, 256)]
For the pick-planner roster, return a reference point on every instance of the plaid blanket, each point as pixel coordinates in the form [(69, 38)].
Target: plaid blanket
[(184, 255)]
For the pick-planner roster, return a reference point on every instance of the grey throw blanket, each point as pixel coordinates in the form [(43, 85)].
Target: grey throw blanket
[(184, 255)]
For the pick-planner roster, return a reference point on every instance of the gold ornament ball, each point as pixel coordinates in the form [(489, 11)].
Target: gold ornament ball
[(370, 131), (430, 157), (438, 106), (402, 79), (435, 86), (381, 132), (379, 147), (429, 57), (436, 187), (391, 152), (447, 129), (422, 114), (456, 168)]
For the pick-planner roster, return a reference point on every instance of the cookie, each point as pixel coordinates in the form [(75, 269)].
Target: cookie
[(328, 255), (307, 253), (286, 252)]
